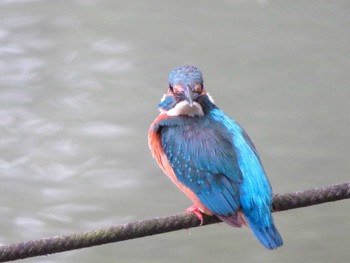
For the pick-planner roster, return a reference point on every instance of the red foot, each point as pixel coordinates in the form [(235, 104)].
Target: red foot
[(194, 209)]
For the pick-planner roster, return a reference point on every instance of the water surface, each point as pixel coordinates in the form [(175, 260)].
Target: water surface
[(79, 81)]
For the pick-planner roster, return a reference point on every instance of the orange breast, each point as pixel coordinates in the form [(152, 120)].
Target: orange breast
[(155, 144)]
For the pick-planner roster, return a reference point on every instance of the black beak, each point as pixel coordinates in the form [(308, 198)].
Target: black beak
[(188, 95)]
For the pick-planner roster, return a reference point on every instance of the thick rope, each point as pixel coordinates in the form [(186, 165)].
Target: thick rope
[(159, 225)]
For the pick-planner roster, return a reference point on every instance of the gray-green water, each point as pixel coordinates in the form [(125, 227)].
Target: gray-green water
[(79, 81)]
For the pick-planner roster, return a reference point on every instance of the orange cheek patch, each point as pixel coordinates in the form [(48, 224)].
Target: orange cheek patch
[(169, 92), (178, 89)]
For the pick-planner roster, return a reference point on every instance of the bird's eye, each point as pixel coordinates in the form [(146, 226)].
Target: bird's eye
[(198, 88)]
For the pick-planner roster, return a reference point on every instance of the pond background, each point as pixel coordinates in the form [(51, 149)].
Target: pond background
[(79, 85)]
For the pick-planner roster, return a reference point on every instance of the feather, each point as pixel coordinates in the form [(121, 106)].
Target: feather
[(211, 158)]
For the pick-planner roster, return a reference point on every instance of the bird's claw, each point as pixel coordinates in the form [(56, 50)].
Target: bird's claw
[(194, 209)]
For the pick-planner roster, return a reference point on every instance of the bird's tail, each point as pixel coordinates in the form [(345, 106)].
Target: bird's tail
[(267, 235)]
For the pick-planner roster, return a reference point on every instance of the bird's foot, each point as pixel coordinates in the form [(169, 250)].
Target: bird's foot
[(194, 209)]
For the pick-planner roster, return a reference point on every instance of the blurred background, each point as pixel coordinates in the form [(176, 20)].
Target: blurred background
[(79, 85)]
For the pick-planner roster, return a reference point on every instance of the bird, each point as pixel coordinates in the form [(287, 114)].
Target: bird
[(211, 158)]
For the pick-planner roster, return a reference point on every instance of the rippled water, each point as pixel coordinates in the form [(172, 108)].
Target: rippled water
[(79, 81)]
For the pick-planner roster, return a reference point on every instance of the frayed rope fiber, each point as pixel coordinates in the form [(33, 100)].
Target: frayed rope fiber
[(160, 225)]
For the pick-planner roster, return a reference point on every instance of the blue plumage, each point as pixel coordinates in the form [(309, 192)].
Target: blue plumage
[(202, 158), (255, 189), (214, 157)]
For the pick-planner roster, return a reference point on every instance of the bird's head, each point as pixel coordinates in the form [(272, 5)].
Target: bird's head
[(185, 89)]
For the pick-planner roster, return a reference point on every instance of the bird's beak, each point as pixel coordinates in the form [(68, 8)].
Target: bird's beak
[(188, 95)]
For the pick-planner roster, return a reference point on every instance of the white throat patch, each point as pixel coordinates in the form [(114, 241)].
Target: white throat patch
[(183, 108)]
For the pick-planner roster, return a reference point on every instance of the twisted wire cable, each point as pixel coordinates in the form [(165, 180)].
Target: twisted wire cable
[(160, 225)]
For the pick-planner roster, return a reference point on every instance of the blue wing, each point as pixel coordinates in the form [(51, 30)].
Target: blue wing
[(255, 189), (203, 158), (215, 158)]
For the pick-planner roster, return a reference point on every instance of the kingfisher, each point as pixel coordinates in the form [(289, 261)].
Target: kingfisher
[(211, 158)]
